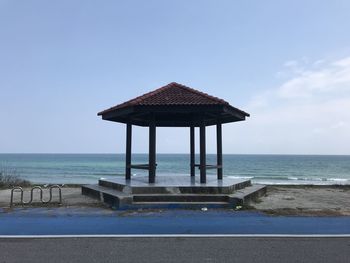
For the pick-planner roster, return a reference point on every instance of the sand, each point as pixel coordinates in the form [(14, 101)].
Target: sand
[(279, 200), (305, 200)]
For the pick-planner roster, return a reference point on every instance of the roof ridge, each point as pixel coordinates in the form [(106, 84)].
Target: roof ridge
[(150, 93), (197, 92), (140, 100)]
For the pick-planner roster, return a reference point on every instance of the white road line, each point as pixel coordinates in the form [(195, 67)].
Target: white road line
[(177, 235)]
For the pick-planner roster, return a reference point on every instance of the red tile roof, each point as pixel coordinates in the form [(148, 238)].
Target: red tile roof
[(171, 95)]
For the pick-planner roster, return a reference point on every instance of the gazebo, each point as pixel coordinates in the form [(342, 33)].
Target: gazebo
[(175, 105)]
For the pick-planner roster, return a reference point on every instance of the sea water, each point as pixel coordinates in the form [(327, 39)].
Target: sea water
[(264, 169)]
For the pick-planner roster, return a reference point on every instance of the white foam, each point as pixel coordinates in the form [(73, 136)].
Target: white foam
[(338, 179), (240, 177)]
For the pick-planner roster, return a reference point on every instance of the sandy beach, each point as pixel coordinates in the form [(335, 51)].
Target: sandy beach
[(305, 200), (295, 200)]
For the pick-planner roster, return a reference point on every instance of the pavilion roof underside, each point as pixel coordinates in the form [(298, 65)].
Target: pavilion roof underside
[(174, 105), (175, 116)]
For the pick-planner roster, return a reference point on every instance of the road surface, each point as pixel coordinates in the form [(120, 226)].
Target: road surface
[(180, 249)]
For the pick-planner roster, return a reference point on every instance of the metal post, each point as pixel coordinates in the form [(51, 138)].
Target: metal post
[(219, 150), (192, 157), (152, 152), (203, 171), (128, 152)]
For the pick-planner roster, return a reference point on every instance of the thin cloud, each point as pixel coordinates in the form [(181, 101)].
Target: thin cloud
[(307, 113), (291, 63), (330, 78)]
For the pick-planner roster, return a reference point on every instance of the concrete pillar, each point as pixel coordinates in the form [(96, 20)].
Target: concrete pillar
[(152, 152), (192, 150), (203, 168), (219, 150), (128, 152)]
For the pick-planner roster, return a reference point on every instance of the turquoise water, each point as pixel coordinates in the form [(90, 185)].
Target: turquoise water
[(266, 169)]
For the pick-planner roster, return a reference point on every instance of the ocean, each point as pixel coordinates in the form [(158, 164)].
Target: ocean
[(262, 169)]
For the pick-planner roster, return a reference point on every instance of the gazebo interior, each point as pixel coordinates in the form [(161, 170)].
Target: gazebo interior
[(175, 105)]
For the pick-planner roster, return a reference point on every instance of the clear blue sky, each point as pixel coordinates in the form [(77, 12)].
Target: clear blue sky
[(285, 62)]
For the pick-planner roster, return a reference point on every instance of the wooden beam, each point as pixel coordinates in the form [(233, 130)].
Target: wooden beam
[(128, 152), (140, 166), (208, 166), (192, 150), (235, 112), (219, 150)]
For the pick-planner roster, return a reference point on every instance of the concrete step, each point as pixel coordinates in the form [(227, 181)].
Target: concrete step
[(112, 197), (180, 198), (116, 186), (250, 193), (181, 205), (121, 200), (136, 187)]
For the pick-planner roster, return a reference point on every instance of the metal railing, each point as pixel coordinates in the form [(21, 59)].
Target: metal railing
[(35, 188)]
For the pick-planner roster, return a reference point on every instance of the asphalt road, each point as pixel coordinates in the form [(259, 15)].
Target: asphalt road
[(181, 249)]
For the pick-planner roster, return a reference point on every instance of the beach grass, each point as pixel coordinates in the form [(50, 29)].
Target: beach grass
[(9, 177)]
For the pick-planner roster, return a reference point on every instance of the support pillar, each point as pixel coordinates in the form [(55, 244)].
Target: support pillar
[(203, 165), (219, 150), (128, 152), (152, 152), (192, 150)]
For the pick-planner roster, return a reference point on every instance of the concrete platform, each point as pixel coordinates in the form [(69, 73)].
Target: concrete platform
[(173, 192), (174, 184)]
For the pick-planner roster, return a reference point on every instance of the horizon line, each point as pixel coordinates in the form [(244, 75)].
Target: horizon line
[(287, 154)]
